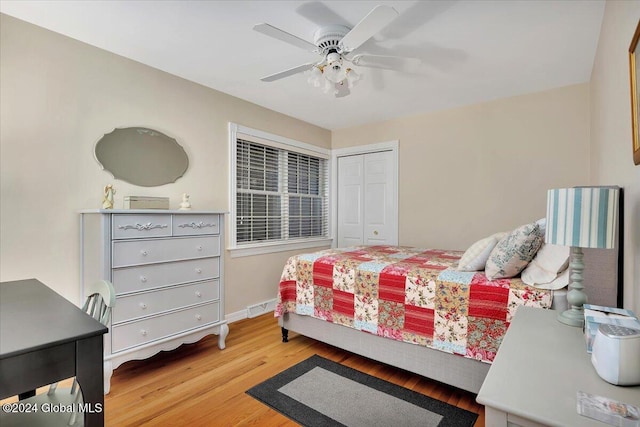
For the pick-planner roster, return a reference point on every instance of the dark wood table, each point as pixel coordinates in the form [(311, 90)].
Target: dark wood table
[(43, 339)]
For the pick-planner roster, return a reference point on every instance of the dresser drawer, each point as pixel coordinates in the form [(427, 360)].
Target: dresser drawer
[(139, 252), (139, 226), (190, 225), (143, 277), (146, 330), (175, 297)]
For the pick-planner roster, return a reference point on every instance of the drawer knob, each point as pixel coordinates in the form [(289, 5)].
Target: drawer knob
[(143, 252), (143, 332), (198, 270), (199, 248), (143, 306), (198, 294), (198, 317), (143, 279)]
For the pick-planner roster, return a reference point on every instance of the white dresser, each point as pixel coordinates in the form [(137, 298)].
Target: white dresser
[(166, 268)]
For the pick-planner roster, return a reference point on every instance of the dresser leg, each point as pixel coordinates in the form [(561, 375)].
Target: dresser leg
[(108, 371), (224, 331), (285, 334)]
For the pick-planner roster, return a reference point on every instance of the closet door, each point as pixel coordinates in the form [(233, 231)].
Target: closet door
[(350, 200), (379, 200), (367, 203)]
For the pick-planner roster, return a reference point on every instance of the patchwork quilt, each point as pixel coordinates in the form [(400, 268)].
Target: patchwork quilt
[(407, 294)]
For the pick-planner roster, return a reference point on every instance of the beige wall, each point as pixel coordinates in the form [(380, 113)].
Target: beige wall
[(611, 159), (473, 171), (59, 96)]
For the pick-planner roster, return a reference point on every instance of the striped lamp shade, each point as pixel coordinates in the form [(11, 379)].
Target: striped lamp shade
[(582, 217)]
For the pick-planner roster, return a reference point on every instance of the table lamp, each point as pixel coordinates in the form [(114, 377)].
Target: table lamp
[(583, 217)]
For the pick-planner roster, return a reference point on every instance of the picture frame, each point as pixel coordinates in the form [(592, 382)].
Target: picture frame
[(634, 65)]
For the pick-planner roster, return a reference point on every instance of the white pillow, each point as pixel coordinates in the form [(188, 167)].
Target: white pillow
[(475, 258), (547, 264), (558, 283)]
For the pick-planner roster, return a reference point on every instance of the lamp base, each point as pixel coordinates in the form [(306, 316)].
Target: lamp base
[(575, 297), (572, 317)]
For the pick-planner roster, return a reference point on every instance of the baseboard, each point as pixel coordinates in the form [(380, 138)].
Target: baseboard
[(234, 317)]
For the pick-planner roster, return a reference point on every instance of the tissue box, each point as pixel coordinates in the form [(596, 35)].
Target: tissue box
[(144, 202), (595, 315)]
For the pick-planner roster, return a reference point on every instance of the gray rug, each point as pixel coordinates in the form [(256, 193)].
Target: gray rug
[(319, 392)]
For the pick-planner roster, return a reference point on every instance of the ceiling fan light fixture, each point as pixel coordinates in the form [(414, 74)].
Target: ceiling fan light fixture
[(334, 74), (331, 74), (329, 87), (315, 76), (333, 71), (352, 77)]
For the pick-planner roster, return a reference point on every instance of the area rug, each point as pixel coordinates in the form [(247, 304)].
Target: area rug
[(319, 392)]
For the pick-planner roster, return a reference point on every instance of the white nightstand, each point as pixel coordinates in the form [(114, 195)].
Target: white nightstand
[(540, 367)]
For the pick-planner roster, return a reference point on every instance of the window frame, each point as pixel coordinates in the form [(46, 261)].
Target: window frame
[(281, 143)]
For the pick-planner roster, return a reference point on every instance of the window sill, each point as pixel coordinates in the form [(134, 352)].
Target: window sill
[(242, 251)]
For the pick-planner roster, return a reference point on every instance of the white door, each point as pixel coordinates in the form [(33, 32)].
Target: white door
[(367, 203), (350, 200)]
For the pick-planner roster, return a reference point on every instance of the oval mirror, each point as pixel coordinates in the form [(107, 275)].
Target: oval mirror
[(141, 156)]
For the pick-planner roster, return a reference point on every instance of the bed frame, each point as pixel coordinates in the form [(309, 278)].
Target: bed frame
[(600, 276)]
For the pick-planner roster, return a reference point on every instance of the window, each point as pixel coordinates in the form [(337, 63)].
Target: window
[(279, 192)]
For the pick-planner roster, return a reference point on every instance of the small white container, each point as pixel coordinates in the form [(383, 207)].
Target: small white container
[(616, 354)]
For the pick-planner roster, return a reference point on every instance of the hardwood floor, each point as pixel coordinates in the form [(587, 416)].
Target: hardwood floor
[(201, 385)]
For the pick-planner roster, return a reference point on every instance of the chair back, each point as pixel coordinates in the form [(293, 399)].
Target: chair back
[(101, 298)]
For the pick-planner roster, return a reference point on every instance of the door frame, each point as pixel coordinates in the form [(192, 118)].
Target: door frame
[(393, 147)]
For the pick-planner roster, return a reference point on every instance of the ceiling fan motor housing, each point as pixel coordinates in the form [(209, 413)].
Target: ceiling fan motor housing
[(328, 38)]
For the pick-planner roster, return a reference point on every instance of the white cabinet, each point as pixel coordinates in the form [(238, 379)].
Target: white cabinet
[(166, 268)]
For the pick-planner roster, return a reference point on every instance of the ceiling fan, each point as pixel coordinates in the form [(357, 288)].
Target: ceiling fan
[(336, 44)]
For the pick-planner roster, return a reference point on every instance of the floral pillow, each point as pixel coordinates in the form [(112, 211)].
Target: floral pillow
[(514, 252)]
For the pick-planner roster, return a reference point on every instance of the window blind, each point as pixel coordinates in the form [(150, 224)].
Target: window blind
[(281, 194)]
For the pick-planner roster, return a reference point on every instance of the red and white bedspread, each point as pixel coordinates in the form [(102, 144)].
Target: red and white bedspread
[(407, 294)]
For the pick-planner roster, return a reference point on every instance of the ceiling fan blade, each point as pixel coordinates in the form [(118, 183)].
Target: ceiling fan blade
[(398, 63), (277, 33), (287, 73), (320, 14), (370, 25)]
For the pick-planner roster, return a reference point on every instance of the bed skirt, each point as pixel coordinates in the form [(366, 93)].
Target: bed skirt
[(464, 373)]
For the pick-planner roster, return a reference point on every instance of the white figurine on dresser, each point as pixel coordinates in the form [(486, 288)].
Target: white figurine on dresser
[(167, 270)]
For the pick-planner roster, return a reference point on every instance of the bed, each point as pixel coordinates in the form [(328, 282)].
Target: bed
[(407, 307)]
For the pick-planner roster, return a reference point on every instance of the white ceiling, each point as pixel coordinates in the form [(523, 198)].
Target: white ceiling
[(471, 51)]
